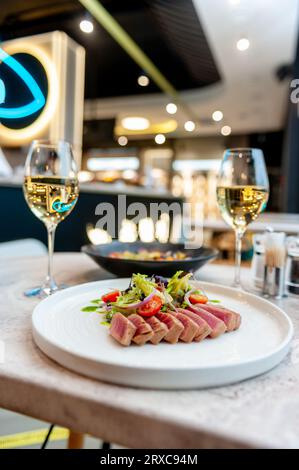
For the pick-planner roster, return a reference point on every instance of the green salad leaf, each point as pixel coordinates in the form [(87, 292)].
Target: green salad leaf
[(89, 308), (178, 285), (140, 287), (128, 297), (143, 283)]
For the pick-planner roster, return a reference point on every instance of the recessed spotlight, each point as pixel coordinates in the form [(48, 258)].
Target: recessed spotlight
[(86, 26), (217, 115), (243, 44), (189, 126), (171, 108), (160, 139), (143, 80), (122, 140), (135, 123), (226, 130)]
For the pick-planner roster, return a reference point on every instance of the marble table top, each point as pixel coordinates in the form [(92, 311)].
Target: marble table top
[(261, 412)]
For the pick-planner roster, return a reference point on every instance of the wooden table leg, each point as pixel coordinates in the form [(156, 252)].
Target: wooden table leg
[(75, 440)]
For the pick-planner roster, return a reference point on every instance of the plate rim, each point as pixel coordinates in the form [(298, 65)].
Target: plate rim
[(281, 347)]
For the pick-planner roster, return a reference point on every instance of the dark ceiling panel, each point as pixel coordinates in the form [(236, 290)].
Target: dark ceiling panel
[(168, 31), (184, 35)]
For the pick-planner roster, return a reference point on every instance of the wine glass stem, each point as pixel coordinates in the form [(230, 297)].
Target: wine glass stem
[(50, 283), (238, 254)]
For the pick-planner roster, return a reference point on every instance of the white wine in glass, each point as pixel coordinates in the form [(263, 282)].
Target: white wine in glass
[(242, 192), (51, 191)]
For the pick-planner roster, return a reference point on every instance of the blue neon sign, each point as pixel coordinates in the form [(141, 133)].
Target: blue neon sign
[(2, 91), (59, 206), (38, 101)]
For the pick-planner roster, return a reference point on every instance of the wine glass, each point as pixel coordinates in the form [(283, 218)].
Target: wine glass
[(242, 193), (51, 191)]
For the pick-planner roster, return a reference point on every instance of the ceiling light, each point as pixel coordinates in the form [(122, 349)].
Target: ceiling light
[(171, 108), (143, 80), (122, 140), (217, 115), (226, 130), (86, 26), (243, 44), (189, 126), (135, 123), (160, 139)]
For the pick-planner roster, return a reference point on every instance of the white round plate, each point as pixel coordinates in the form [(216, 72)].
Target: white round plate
[(78, 341)]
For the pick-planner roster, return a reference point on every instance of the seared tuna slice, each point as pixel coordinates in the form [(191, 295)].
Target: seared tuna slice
[(203, 328), (230, 318), (238, 321), (175, 327), (159, 329), (218, 326), (190, 327), (143, 330), (122, 329)]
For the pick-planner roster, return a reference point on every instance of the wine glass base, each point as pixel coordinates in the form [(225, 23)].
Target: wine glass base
[(43, 291), (237, 286)]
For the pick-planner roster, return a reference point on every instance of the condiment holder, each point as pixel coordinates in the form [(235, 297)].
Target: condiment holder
[(292, 266), (258, 261), (274, 270)]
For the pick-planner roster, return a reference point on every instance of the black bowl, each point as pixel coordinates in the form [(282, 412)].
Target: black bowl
[(126, 267)]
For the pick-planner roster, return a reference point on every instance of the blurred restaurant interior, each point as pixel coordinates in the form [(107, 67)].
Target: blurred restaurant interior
[(167, 86), (149, 94)]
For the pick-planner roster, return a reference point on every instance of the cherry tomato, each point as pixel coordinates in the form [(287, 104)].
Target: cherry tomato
[(111, 296), (198, 299), (151, 307)]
